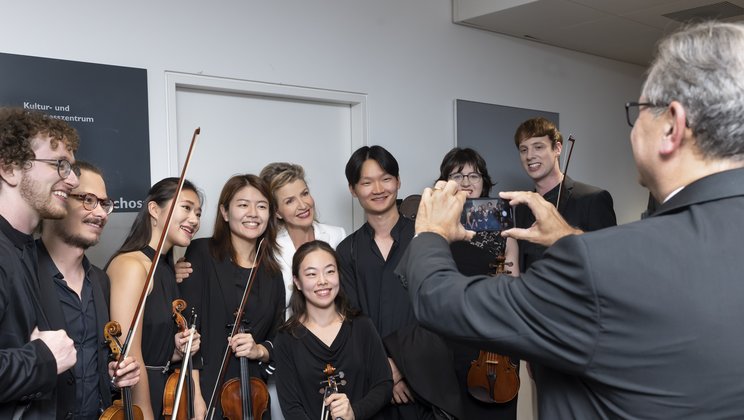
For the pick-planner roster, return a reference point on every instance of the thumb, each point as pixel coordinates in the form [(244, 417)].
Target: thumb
[(35, 333)]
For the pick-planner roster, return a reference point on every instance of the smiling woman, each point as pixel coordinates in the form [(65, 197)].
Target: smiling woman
[(159, 344), (244, 241)]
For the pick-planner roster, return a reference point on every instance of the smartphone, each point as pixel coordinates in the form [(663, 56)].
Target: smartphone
[(487, 215)]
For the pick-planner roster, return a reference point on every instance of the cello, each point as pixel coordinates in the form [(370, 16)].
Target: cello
[(173, 406)]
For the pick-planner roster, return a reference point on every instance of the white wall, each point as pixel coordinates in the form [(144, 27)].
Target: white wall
[(407, 56)]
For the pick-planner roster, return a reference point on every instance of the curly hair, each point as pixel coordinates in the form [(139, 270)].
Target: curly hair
[(18, 128)]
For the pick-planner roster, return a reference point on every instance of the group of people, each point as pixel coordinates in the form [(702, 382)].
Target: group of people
[(385, 322)]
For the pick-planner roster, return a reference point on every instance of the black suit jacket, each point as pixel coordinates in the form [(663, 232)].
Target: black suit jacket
[(582, 205), (28, 370), (638, 321), (50, 300)]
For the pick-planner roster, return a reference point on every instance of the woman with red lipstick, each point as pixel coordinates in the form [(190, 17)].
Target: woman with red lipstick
[(295, 214), (244, 239), (323, 329), (155, 346), (468, 169)]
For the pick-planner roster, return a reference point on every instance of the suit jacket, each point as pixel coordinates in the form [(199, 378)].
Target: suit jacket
[(638, 321), (582, 205), (50, 300), (28, 370), (326, 233)]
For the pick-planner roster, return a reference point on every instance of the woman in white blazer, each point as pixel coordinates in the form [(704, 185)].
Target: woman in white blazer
[(296, 215)]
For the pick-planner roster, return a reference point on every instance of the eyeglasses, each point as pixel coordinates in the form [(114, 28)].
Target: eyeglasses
[(473, 177), (632, 109), (91, 201), (64, 167)]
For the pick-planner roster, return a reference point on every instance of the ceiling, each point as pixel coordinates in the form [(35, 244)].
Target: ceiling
[(624, 30)]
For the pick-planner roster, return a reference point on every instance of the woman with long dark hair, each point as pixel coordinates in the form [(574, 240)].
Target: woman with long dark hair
[(322, 330), (243, 241), (158, 344)]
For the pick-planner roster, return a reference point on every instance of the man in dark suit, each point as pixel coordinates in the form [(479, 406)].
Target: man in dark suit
[(36, 156), (637, 321), (582, 205), (75, 293)]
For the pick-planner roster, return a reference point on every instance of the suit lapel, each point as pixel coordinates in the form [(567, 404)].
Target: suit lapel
[(712, 187)]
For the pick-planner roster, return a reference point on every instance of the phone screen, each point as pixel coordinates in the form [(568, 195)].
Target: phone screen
[(487, 215)]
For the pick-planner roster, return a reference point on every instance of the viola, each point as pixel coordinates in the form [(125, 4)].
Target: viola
[(234, 405), (185, 408), (493, 378), (122, 409), (231, 398), (330, 386)]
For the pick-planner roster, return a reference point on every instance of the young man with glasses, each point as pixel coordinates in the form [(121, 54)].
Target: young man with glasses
[(582, 205), (36, 153), (75, 293)]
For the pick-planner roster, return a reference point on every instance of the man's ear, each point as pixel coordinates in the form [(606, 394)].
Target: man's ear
[(675, 129), (351, 190), (11, 174)]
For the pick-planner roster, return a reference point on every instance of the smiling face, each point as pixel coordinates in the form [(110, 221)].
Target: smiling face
[(376, 190), (318, 279), (186, 218), (247, 214), (41, 186), (295, 205), (539, 158), (82, 228)]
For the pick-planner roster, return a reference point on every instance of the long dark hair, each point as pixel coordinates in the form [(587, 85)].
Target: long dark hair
[(141, 232), (298, 302), (458, 158), (221, 246)]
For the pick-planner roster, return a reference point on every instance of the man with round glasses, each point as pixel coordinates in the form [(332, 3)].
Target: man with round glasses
[(36, 174), (74, 293)]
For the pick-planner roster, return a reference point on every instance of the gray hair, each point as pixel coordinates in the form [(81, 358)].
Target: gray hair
[(702, 67)]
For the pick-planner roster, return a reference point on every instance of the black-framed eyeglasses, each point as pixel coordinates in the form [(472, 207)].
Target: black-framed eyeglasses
[(632, 109), (91, 201), (473, 177), (64, 167)]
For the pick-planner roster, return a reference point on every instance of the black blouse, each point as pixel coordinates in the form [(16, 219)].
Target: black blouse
[(214, 289), (356, 351), (158, 328)]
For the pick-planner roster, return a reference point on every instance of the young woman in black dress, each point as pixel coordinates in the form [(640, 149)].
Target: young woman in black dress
[(324, 330), (158, 344), (244, 229)]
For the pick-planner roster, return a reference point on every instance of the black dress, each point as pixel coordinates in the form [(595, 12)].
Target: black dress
[(473, 258), (158, 328), (214, 290), (356, 351)]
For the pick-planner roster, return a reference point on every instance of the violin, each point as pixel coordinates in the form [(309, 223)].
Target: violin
[(112, 330), (493, 378), (185, 409), (330, 386), (122, 408), (234, 405)]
